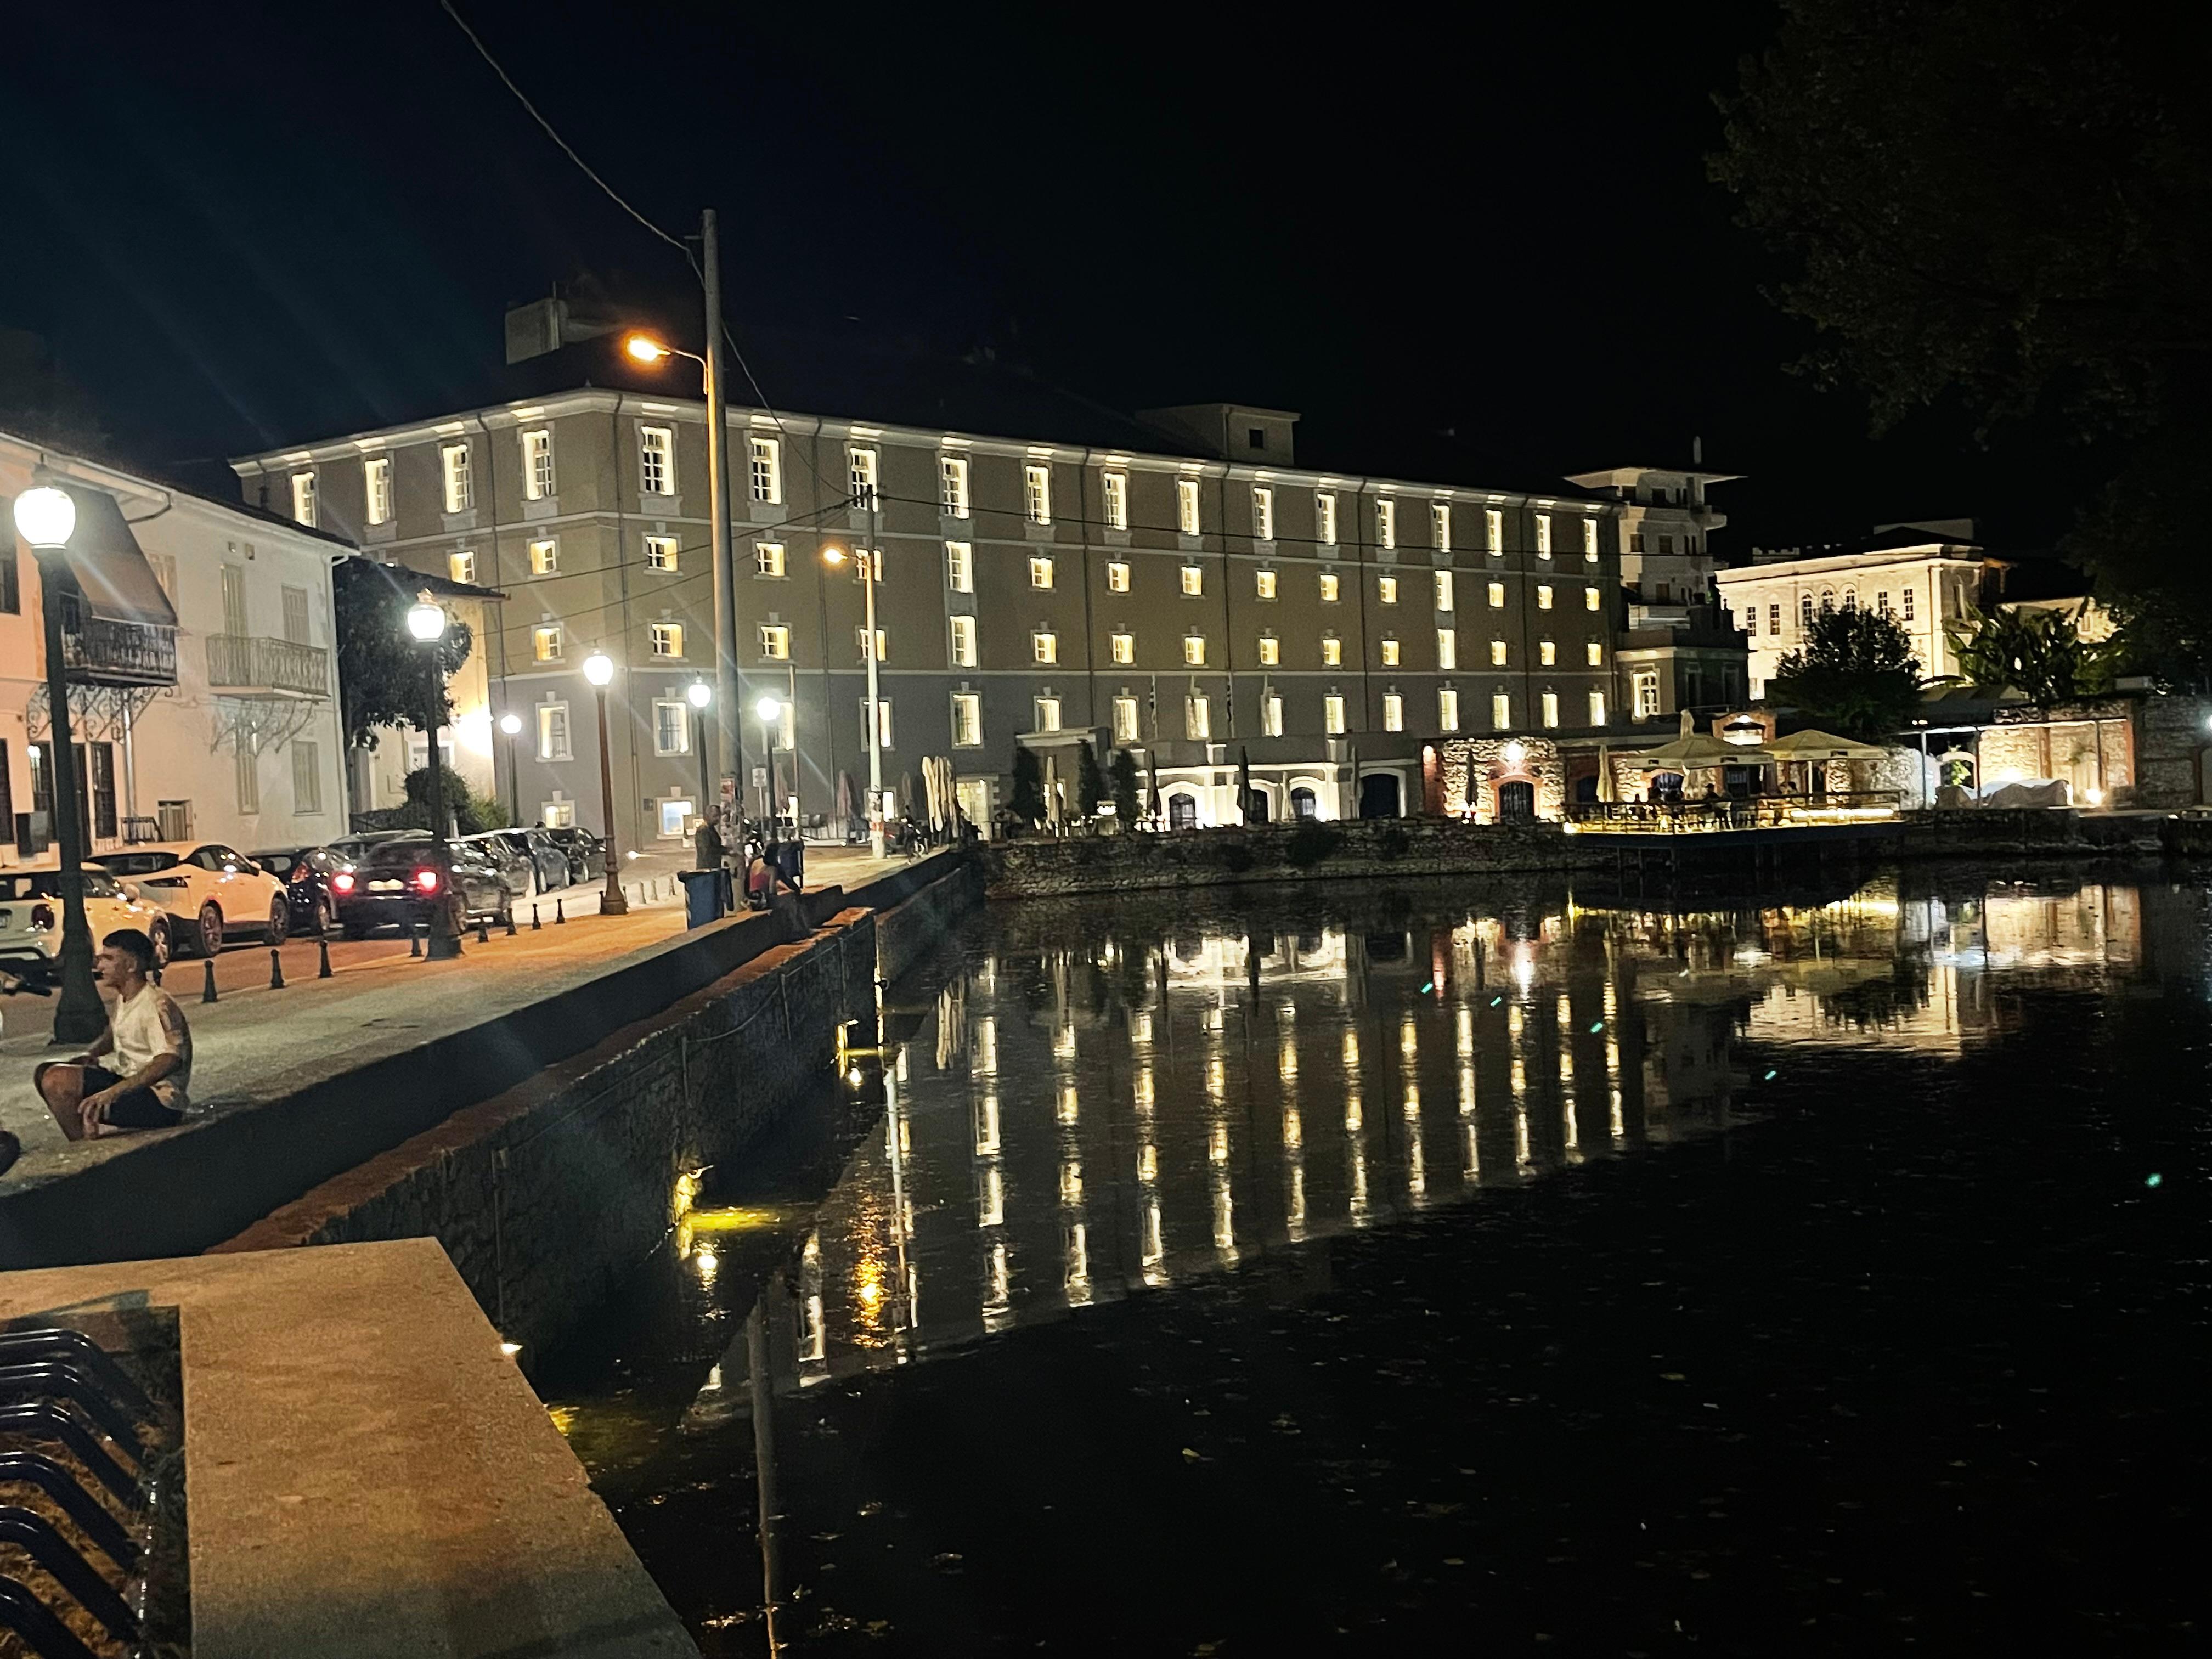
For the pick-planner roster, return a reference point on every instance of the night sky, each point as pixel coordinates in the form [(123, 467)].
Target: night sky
[(1480, 250)]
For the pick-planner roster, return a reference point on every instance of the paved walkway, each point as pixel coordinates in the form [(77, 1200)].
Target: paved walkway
[(378, 1000)]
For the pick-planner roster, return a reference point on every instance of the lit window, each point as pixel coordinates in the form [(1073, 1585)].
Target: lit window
[(546, 643), (1446, 649), (537, 463), (766, 472), (1263, 582), (1187, 506), (1125, 719), (1497, 654), (1547, 654), (1386, 589), (1551, 702), (1122, 647), (1041, 573), (1590, 548), (1197, 719), (1645, 685), (775, 642), (1394, 712), (1325, 519), (1906, 596), (1113, 493), (656, 459), (1493, 530), (862, 477), (960, 566), (1501, 711), (1881, 603), (768, 558), (1773, 619), (1332, 714), (1805, 609), (1636, 541), (1543, 596), (1044, 646), (460, 488), (1047, 712), (967, 719), (1193, 650), (1590, 600), (1331, 587), (1447, 709), (1271, 716), (1389, 654), (1332, 651), (1263, 513), (1440, 525), (672, 727), (1386, 522), (1497, 596), (1117, 575), (1270, 651), (963, 641), (1443, 590), (544, 557), (952, 485), (661, 552), (553, 732), (882, 722), (1593, 653), (1037, 484), (882, 644), (376, 482), (462, 566), (1543, 535), (1193, 580), (1598, 708)]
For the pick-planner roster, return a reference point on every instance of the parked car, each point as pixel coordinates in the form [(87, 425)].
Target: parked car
[(549, 861), (397, 886), (309, 874), (210, 892), (587, 854), (31, 918), (516, 868), (355, 848)]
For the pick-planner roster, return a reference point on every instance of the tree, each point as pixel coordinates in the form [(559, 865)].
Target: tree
[(2039, 654), (1855, 675), (383, 679), (1027, 801), (1089, 781), (472, 813), (1126, 807)]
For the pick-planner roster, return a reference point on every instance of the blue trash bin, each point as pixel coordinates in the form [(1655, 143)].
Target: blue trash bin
[(702, 896), (790, 859)]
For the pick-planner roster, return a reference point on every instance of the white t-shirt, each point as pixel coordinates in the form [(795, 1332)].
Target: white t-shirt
[(148, 1025)]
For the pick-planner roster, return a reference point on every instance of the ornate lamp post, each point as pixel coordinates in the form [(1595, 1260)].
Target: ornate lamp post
[(599, 670), (426, 621), (511, 724), (45, 517), (699, 694)]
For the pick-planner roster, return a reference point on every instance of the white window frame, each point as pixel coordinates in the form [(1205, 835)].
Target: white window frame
[(376, 488), (552, 724), (1498, 654), (1386, 590), (1331, 587), (538, 482), (542, 635), (1263, 514), (1446, 650), (1389, 646), (656, 460), (1186, 520), (1121, 647), (1193, 650), (662, 552), (1501, 711), (1543, 596), (457, 478), (775, 642), (770, 560), (967, 713), (1543, 535), (960, 566), (305, 507), (764, 469), (1036, 492), (1117, 575), (1592, 654), (1386, 522), (1044, 646), (1113, 499), (963, 639), (1041, 571), (461, 565), (1589, 540), (882, 644), (1548, 705), (864, 475), (1497, 596), (1331, 713), (1547, 653), (1332, 651), (1447, 708), (1394, 712), (1493, 529), (545, 556), (1446, 590), (1598, 708), (885, 729), (664, 707), (1266, 581), (1125, 719), (1270, 716), (667, 639), (1270, 651), (1197, 718), (1044, 714), (1440, 525), (1194, 581), (1590, 600), (952, 497), (1644, 687), (1325, 517)]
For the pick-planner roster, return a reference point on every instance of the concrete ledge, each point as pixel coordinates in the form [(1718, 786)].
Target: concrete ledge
[(367, 1476)]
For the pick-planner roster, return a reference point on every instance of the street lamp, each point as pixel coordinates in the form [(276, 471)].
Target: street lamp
[(771, 714), (46, 517), (699, 694), (645, 350), (599, 670), (426, 621), (511, 724), (868, 572)]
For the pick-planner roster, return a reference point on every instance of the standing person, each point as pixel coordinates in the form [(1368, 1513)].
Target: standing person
[(706, 845), (152, 1045)]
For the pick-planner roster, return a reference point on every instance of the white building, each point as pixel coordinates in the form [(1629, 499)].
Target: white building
[(204, 694), (1666, 559), (1920, 577)]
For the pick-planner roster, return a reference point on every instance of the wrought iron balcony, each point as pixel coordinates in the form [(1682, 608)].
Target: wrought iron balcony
[(98, 651), (245, 664)]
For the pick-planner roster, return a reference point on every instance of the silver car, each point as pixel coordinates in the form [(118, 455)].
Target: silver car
[(516, 870)]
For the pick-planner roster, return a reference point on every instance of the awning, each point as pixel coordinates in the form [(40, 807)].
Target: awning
[(110, 567)]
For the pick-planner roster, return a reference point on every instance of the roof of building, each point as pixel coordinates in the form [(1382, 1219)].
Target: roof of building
[(2034, 578)]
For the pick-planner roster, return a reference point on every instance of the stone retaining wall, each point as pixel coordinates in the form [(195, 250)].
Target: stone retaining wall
[(2045, 832)]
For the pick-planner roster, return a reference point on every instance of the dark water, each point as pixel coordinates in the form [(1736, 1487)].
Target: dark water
[(1436, 1269)]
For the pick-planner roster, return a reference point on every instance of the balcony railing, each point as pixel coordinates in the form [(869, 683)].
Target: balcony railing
[(246, 664), (100, 651), (1694, 816)]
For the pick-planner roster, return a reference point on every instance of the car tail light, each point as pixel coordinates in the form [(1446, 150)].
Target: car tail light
[(427, 880), (342, 881), (42, 918)]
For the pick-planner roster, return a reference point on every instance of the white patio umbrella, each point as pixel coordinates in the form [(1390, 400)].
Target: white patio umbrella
[(1811, 748), (1607, 790)]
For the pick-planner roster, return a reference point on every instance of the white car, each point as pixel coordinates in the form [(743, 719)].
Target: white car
[(210, 892), (31, 917)]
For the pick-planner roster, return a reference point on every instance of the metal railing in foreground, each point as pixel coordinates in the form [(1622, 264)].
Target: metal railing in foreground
[(1695, 816)]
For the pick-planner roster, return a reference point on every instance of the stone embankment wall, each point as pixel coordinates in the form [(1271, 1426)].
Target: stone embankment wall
[(2048, 832)]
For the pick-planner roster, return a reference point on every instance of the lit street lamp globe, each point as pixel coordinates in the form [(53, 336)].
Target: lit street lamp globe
[(599, 668), (510, 724), (45, 516), (699, 694), (426, 621), (768, 709)]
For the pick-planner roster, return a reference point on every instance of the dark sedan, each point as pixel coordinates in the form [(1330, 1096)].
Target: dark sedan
[(587, 854), (309, 873), (398, 884), (549, 861)]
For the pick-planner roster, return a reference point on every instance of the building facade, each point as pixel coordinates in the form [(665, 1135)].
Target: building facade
[(1667, 523), (203, 698), (1197, 607)]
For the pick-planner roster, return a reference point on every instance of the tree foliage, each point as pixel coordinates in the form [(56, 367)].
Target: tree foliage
[(2039, 654), (1855, 675), (383, 678), (1123, 771), (471, 812), (1089, 781), (1027, 801)]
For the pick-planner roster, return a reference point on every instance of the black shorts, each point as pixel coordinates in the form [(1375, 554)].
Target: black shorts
[(134, 1108)]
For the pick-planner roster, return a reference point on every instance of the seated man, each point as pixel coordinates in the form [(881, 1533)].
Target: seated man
[(151, 1043)]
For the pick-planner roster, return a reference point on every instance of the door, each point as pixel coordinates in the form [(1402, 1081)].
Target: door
[(1378, 795), (1183, 812), (974, 795), (234, 600), (1516, 802)]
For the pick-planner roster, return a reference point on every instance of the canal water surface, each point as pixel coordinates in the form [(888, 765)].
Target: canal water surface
[(1444, 1268)]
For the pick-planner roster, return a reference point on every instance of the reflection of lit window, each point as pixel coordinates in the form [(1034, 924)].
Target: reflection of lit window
[(987, 1046), (1148, 1162), (1217, 1143), (1143, 1089), (1071, 1182), (1079, 1255), (1067, 1103), (1466, 1091), (991, 1199), (1224, 1214), (1290, 1060), (1294, 1132), (1002, 1276), (987, 1125), (1350, 1050), (1465, 1021), (1154, 1247), (1409, 1037)]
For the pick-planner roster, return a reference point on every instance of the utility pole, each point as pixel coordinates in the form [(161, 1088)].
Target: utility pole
[(728, 728)]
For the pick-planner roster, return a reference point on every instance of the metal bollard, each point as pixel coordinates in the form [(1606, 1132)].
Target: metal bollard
[(510, 921), (536, 925), (483, 930), (414, 942), (323, 949), (207, 986), (558, 916), (276, 969)]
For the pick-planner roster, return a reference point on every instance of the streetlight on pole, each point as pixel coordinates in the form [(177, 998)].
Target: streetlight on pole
[(599, 670), (426, 621), (699, 694), (646, 350), (771, 713), (867, 563), (511, 724), (46, 517)]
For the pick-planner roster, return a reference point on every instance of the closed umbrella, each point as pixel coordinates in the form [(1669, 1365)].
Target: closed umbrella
[(845, 802), (1243, 785), (1607, 789), (1051, 793)]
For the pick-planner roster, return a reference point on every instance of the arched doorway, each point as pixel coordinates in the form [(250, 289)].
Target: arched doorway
[(1183, 812), (1303, 804), (1257, 809), (1517, 801), (1378, 795)]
